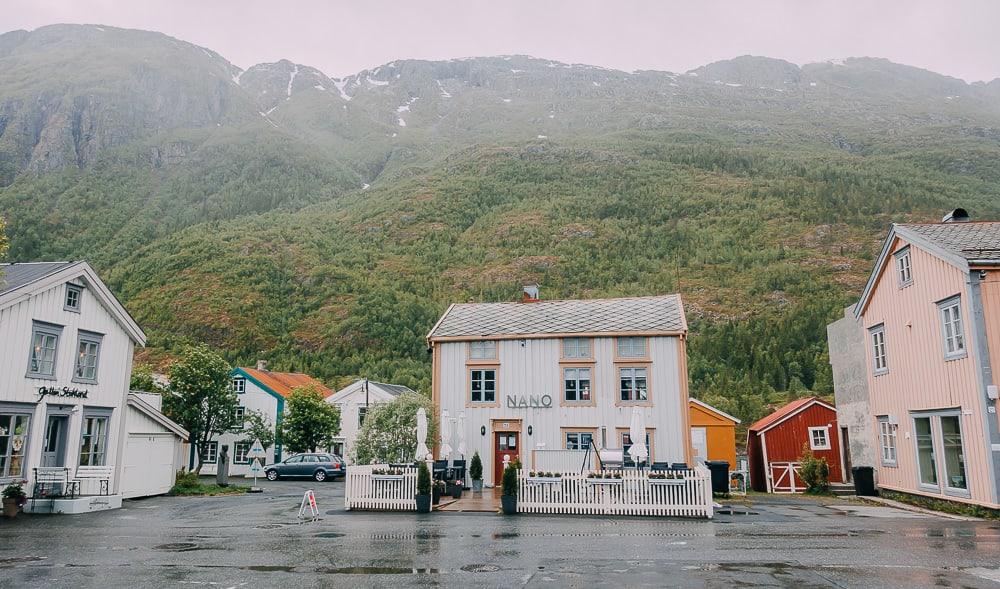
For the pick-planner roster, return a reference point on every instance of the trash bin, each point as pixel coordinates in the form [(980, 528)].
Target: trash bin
[(864, 481), (720, 475)]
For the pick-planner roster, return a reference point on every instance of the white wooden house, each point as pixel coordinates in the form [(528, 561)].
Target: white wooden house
[(354, 401), (536, 376), (66, 347)]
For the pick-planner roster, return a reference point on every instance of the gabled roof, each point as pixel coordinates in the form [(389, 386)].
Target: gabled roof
[(282, 383), (151, 412), (960, 244), (24, 278), (786, 412), (711, 409), (390, 390), (655, 315)]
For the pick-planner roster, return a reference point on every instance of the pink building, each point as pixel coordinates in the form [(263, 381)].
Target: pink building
[(931, 318)]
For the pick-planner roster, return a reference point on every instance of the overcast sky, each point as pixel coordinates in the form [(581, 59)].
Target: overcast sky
[(958, 38)]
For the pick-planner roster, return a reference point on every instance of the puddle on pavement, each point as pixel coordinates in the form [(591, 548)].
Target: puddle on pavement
[(270, 568), (7, 562), (269, 526), (377, 571), (177, 546), (505, 535), (732, 511), (330, 535)]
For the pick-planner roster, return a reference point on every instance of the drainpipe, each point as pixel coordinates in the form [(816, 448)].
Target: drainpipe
[(987, 407)]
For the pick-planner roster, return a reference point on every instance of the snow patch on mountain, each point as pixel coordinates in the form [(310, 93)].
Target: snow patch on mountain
[(444, 93), (291, 80), (340, 85)]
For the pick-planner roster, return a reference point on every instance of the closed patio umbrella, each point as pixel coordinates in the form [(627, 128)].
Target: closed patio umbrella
[(460, 426), (422, 450), (446, 450), (637, 432)]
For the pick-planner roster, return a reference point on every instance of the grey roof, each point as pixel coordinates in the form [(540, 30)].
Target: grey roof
[(393, 389), (972, 241), (17, 275), (654, 314)]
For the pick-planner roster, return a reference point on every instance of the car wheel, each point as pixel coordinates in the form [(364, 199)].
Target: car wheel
[(272, 475), (320, 476)]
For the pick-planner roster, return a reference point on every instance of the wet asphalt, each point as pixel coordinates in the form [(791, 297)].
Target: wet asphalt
[(257, 541)]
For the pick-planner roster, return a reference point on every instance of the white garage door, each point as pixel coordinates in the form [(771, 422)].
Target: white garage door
[(149, 465)]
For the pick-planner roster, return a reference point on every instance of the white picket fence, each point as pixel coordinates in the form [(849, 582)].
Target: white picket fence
[(363, 490), (635, 494)]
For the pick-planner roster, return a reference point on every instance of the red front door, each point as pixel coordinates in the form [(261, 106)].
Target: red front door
[(506, 445)]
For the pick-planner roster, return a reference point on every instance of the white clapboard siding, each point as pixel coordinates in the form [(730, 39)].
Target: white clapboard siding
[(363, 491), (561, 460), (635, 494)]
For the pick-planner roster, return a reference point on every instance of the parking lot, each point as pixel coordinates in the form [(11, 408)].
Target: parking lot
[(257, 541)]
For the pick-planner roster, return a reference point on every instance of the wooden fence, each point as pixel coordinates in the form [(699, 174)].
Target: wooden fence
[(364, 490), (634, 494)]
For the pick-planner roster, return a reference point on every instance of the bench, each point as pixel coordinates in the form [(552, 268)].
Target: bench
[(101, 474)]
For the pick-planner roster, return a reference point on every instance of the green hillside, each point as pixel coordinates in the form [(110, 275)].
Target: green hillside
[(756, 188)]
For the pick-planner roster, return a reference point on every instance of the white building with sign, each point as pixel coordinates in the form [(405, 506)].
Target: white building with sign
[(66, 347), (524, 379)]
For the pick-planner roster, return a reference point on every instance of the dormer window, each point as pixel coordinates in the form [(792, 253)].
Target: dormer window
[(904, 270), (74, 295), (239, 385)]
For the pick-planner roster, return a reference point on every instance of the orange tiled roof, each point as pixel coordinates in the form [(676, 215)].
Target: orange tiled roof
[(283, 382), (780, 414)]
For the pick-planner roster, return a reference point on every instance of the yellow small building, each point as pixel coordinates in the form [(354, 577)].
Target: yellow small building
[(713, 433)]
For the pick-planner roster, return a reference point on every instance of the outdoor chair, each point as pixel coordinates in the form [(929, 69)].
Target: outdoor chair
[(657, 466), (679, 466)]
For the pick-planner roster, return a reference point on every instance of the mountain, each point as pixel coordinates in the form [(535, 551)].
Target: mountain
[(324, 223)]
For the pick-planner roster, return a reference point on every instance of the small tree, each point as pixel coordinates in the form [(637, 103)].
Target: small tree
[(815, 472), (423, 479), (200, 397), (510, 481), (258, 427), (142, 380), (311, 422), (476, 467), (389, 431)]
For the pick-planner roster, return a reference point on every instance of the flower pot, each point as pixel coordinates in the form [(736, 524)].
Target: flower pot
[(456, 491), (509, 504), (423, 503), (477, 486), (11, 507), (436, 496)]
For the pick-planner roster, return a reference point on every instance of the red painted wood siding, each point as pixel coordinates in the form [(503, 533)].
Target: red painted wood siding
[(786, 440)]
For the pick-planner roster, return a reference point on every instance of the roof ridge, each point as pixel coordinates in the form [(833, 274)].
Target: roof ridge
[(543, 301)]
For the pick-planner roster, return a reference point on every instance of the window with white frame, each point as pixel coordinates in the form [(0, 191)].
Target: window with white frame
[(631, 347), (576, 385), (904, 271), (239, 385), (951, 328), (88, 352), (362, 413), (484, 382), (241, 417), (887, 440), (210, 453), (633, 384), (483, 350), (14, 429), (578, 440), (819, 438), (94, 440), (74, 298), (44, 343), (880, 364), (576, 347), (241, 451)]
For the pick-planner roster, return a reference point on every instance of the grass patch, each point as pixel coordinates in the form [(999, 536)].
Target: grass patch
[(942, 505), (188, 484)]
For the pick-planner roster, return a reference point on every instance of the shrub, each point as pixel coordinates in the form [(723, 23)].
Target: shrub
[(476, 467), (15, 491), (510, 481), (815, 472), (423, 479), (186, 481)]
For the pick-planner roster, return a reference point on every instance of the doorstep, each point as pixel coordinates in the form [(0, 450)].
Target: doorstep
[(486, 502), (74, 505)]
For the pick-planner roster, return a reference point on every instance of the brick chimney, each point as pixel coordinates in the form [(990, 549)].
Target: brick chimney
[(262, 365), (529, 293)]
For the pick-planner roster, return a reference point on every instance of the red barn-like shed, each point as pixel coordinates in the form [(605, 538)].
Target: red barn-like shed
[(775, 445)]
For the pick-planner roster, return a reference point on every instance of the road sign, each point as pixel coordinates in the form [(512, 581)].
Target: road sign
[(309, 499), (256, 450), (256, 467)]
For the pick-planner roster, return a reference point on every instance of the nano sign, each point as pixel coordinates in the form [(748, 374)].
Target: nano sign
[(529, 401)]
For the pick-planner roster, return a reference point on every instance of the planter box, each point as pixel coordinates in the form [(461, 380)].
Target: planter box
[(388, 477), (667, 481), (604, 481), (543, 480)]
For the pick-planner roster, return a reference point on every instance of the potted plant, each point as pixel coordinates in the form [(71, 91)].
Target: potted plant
[(13, 498), (438, 490), (476, 472), (423, 496), (508, 498)]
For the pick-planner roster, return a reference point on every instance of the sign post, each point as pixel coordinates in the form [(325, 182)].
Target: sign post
[(257, 453)]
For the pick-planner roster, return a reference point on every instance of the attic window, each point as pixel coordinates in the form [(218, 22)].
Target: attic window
[(904, 271), (74, 294)]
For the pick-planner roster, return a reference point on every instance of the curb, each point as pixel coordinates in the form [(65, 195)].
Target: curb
[(914, 508)]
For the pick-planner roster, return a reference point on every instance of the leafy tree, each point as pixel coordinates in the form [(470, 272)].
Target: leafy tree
[(389, 433), (142, 380), (4, 243), (202, 399), (258, 427), (311, 422)]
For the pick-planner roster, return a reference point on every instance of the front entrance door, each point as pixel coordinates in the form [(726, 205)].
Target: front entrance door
[(506, 445), (699, 440), (845, 441), (54, 445)]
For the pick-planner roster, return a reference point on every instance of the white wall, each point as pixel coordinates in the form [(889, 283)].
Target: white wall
[(534, 369), (114, 370), (350, 400), (254, 399)]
